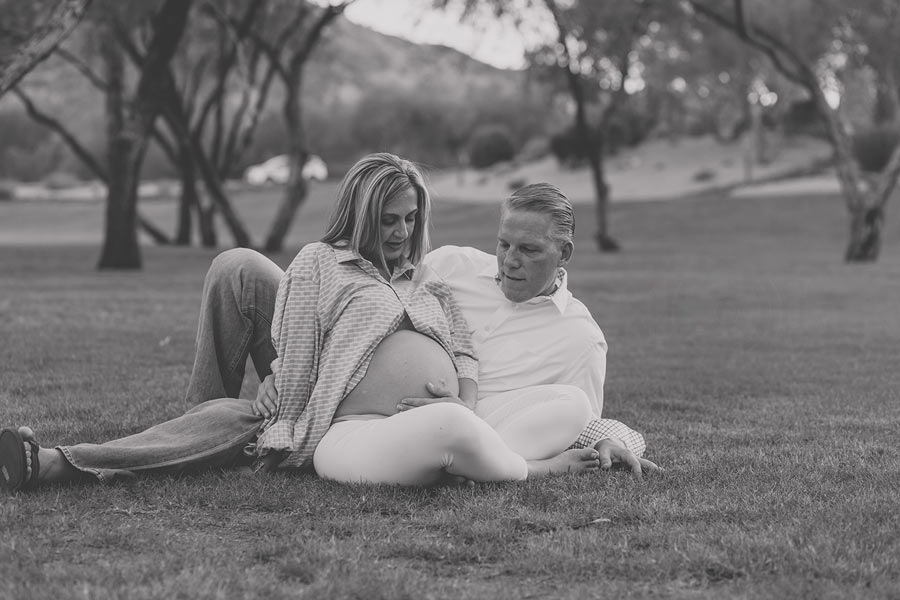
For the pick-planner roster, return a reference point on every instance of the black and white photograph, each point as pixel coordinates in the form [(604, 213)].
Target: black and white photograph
[(449, 299)]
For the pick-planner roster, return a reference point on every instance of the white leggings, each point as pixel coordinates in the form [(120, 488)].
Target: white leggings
[(418, 446)]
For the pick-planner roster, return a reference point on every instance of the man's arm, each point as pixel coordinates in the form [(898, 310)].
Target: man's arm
[(618, 445), (602, 429)]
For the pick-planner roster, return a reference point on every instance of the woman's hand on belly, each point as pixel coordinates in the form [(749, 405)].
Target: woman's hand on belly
[(402, 366), (440, 392)]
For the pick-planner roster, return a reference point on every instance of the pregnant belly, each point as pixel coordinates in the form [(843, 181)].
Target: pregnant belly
[(401, 366)]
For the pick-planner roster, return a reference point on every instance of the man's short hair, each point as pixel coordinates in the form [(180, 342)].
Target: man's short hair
[(546, 198)]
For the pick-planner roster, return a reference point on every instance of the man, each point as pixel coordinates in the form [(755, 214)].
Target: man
[(527, 328)]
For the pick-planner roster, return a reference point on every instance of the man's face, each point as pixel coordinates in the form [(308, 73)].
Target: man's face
[(528, 258)]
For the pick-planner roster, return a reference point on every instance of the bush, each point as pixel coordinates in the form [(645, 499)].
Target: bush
[(489, 145), (7, 191), (568, 146), (802, 118), (873, 148), (60, 180), (536, 148)]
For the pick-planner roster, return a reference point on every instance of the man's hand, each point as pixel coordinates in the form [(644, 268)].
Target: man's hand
[(266, 402), (614, 452), (439, 393)]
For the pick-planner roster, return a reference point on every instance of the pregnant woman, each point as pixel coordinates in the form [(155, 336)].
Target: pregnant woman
[(359, 325)]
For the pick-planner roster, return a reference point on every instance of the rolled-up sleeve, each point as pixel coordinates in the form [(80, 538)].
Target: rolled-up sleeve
[(296, 335), (461, 340), (602, 429)]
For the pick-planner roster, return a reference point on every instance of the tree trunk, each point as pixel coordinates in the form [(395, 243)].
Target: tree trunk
[(177, 120), (120, 243), (207, 226), (593, 145), (129, 131), (866, 209), (865, 235), (188, 201), (605, 243), (219, 198), (296, 189), (294, 197)]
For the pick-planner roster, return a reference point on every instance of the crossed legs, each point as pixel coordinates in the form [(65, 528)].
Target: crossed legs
[(422, 445)]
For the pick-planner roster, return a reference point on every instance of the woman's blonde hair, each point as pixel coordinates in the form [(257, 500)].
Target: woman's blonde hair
[(366, 188)]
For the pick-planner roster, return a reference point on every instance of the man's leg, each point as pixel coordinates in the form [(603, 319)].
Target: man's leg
[(235, 321), (537, 422)]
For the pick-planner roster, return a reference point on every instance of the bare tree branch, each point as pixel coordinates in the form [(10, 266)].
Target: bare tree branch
[(57, 127), (765, 43), (41, 43), (241, 28), (82, 67)]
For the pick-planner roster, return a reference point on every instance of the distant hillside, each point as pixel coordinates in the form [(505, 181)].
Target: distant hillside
[(363, 91)]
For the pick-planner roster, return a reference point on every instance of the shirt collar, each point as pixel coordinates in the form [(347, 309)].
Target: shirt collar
[(560, 297), (562, 294), (343, 255)]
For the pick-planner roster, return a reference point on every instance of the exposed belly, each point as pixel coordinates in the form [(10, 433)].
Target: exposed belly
[(401, 366)]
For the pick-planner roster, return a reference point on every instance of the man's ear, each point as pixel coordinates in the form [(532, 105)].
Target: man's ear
[(567, 249)]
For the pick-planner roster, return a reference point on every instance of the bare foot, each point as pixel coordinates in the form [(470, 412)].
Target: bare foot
[(571, 461)]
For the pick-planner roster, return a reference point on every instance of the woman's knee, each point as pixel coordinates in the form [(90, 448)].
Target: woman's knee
[(453, 426)]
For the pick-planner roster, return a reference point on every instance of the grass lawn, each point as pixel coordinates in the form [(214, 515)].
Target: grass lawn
[(762, 370)]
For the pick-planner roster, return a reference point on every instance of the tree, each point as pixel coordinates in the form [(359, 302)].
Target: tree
[(129, 125), (181, 132), (130, 120), (819, 31), (593, 50), (210, 139), (588, 38), (43, 39), (288, 42)]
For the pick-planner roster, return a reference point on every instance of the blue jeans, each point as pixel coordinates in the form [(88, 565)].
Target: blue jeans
[(235, 322)]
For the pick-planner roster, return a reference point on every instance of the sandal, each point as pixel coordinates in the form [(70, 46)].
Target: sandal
[(14, 462)]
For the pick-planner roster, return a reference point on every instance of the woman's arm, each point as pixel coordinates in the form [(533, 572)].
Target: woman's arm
[(468, 392), (296, 335)]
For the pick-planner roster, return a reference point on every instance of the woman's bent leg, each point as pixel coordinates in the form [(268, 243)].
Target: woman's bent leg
[(417, 447), (235, 321), (537, 422), (209, 435)]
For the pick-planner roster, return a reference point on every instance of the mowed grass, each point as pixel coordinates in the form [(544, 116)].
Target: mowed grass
[(761, 368)]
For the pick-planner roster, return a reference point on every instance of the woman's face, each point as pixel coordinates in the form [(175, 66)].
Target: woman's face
[(398, 221)]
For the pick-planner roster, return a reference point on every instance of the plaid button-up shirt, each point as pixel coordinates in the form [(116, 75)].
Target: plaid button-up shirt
[(332, 310)]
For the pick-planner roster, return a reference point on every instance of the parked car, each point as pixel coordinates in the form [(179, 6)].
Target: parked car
[(277, 170)]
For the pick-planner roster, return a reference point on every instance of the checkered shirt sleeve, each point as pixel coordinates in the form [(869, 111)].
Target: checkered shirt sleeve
[(601, 429)]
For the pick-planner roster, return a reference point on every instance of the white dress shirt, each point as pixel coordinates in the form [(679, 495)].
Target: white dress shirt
[(546, 340)]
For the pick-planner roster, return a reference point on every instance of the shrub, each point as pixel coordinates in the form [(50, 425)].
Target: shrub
[(535, 148), (568, 147), (7, 191), (872, 148), (60, 180), (489, 145), (517, 183), (802, 118)]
